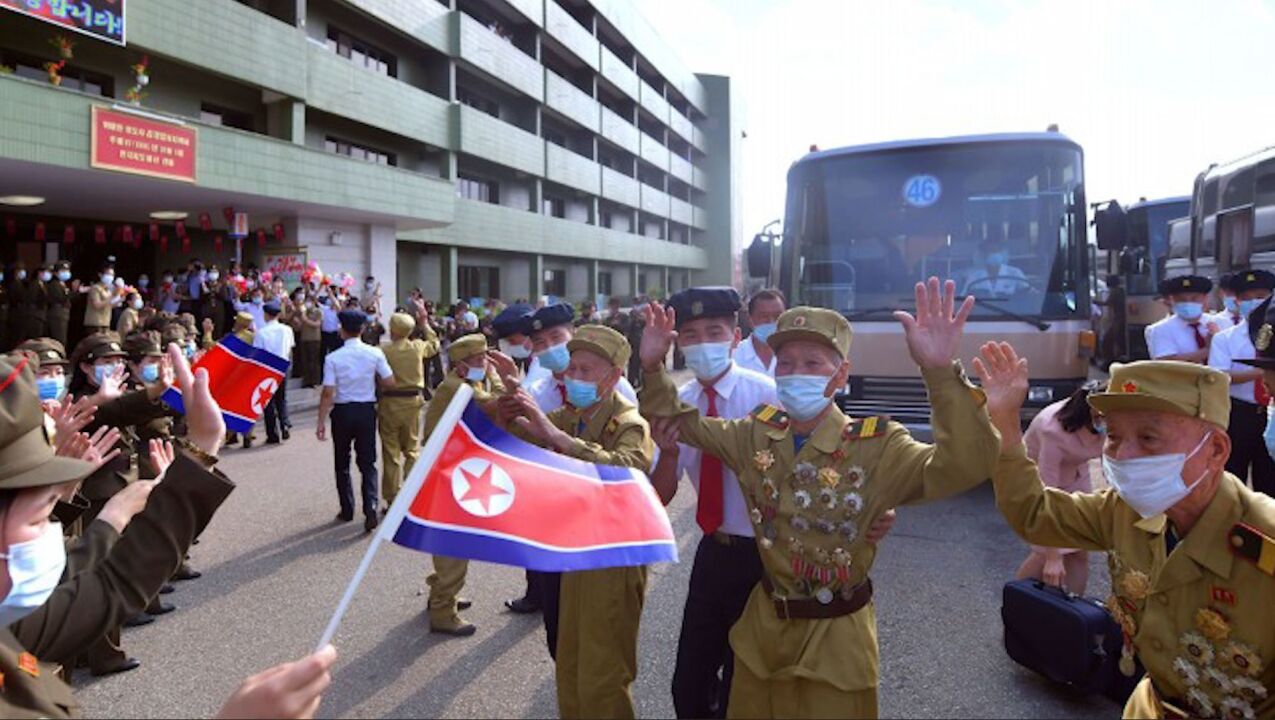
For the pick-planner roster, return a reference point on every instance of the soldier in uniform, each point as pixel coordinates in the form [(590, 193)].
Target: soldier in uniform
[(51, 373), (100, 296), (59, 301), (19, 301), (309, 351), (1190, 545), (38, 303), (813, 478), (399, 409)]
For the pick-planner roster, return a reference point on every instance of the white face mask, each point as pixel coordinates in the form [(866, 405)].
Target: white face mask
[(708, 360), (35, 569), (137, 304), (1151, 484), (517, 352)]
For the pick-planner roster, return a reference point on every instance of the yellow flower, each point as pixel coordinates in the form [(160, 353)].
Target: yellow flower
[(1135, 585), (1212, 625), (1243, 659)]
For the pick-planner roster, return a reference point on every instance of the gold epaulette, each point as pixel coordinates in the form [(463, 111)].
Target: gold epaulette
[(1253, 545), (866, 428), (771, 415)]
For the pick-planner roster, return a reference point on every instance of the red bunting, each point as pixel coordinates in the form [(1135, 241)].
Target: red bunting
[(261, 238), (229, 214), (124, 235), (185, 244), (278, 232), (180, 228), (39, 232), (205, 222), (154, 232), (163, 244), (10, 227), (217, 241), (99, 234), (68, 235)]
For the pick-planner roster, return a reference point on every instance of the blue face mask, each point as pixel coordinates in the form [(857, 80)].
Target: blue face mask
[(802, 395), (997, 259), (707, 360), (101, 372), (51, 388), (476, 374), (764, 331), (1188, 311), (556, 358), (1248, 306), (64, 275), (581, 394), (150, 373), (1230, 304)]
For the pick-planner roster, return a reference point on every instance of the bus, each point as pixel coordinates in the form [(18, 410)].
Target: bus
[(1231, 224), (1135, 242), (863, 224)]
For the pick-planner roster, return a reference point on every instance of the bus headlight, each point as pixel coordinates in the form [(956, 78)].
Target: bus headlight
[(1042, 394)]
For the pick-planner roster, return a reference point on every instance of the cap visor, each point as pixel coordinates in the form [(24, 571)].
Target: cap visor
[(783, 337), (575, 345), (1261, 363), (54, 471), (1111, 402)]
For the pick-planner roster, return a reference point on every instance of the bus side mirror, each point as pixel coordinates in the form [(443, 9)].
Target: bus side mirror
[(759, 254), (1111, 226)]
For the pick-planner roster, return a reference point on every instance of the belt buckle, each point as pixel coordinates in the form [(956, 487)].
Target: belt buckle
[(783, 600)]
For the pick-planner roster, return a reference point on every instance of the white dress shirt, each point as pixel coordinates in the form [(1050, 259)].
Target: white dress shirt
[(739, 392), (1223, 319), (746, 357), (256, 311), (1173, 336), (1008, 281), (548, 391), (535, 372), (1229, 346), (329, 323), (352, 369), (275, 337)]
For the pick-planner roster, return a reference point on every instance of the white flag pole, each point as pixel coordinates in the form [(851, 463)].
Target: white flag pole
[(411, 488)]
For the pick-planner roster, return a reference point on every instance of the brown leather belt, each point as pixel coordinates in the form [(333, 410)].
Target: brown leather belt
[(729, 540), (414, 392), (813, 609)]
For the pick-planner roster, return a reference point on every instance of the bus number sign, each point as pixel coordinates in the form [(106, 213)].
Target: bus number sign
[(922, 190)]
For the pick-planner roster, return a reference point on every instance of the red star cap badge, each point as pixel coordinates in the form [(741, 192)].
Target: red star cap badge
[(1130, 387)]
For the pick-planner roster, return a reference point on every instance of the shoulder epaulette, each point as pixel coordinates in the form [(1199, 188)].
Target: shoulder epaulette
[(613, 424), (866, 428), (771, 415), (1253, 545)]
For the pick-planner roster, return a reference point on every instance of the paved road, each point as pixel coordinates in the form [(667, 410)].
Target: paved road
[(275, 564)]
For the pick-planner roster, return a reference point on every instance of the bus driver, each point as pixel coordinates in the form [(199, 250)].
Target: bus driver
[(997, 277)]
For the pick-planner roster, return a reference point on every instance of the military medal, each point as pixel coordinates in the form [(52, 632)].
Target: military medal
[(1233, 707), (768, 487), (755, 516), (1212, 624), (1135, 585), (1197, 648), (29, 665), (805, 473), (829, 477), (828, 498), (1249, 689), (856, 477), (853, 502), (1217, 681), (1187, 672), (1242, 658), (849, 530), (824, 595), (801, 499), (1126, 664), (763, 459), (1200, 702)]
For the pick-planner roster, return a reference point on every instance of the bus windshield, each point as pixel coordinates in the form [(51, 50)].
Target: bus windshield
[(1149, 230), (997, 218)]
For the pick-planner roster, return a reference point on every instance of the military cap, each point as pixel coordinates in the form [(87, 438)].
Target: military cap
[(272, 308), (467, 346), (1261, 331), (1226, 281), (1169, 386), (704, 302), (602, 341), (173, 333), (352, 321), (143, 344), (99, 345), (827, 327), (513, 320), (27, 458), (402, 324), (62, 265), (550, 316), (1246, 280), (1186, 284), (242, 320), (47, 350)]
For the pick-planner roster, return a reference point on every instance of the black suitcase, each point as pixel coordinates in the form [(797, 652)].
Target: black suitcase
[(1067, 638)]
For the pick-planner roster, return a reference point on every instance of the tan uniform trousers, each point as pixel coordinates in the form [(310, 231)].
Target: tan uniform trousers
[(795, 697), (399, 422), (445, 584), (597, 641)]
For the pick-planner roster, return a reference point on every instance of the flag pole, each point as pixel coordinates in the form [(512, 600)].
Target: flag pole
[(398, 510)]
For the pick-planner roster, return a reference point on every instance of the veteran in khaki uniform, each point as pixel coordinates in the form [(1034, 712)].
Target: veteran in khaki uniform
[(1191, 550), (806, 644), (399, 409), (469, 364)]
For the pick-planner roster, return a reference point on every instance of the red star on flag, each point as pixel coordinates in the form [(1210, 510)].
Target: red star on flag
[(481, 488)]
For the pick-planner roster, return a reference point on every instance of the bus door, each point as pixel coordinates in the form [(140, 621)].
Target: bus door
[(1235, 238)]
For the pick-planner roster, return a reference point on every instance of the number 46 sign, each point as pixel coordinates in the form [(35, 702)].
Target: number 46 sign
[(922, 190)]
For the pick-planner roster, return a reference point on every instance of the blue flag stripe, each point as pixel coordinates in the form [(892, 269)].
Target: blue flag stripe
[(489, 434), (248, 353), (234, 422)]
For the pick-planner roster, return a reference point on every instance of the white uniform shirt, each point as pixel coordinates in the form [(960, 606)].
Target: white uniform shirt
[(329, 323), (1230, 346), (256, 311), (548, 391), (276, 338), (746, 357), (1007, 282), (739, 392), (1173, 336), (1222, 319), (535, 372), (352, 369)]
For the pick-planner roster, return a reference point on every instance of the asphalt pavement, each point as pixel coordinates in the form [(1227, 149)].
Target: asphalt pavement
[(275, 563)]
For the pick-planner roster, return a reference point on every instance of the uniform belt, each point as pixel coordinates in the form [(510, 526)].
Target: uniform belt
[(401, 392), (729, 540), (812, 609), (1247, 406)]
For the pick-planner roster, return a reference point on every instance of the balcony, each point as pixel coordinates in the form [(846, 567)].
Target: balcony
[(498, 141), (568, 31), (681, 125), (571, 101), (681, 211), (653, 152), (224, 36), (533, 10), (654, 102), (568, 168), (619, 74), (620, 131), (621, 188), (698, 140), (699, 178), (496, 56), (699, 218), (337, 86), (425, 21), (681, 168), (655, 201)]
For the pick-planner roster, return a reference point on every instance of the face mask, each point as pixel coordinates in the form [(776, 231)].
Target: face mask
[(213, 276), (119, 282), (64, 275), (108, 279), (190, 349), (143, 282), (475, 374), (257, 301), (101, 372), (1189, 311), (997, 259), (1151, 484), (150, 373), (1248, 306), (35, 569), (1, 276), (369, 286), (707, 360), (581, 394), (51, 388), (555, 359), (1230, 304), (764, 331), (136, 304), (168, 279), (251, 284), (46, 276), (802, 395), (22, 274), (517, 352)]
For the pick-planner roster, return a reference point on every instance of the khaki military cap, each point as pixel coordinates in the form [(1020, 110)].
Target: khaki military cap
[(602, 341), (243, 320), (467, 346), (143, 344), (99, 345), (47, 350), (1168, 386), (27, 459), (173, 333), (402, 324), (827, 327)]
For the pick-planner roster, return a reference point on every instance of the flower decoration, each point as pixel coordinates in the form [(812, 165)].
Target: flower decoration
[(1212, 625), (1242, 658), (1249, 689), (805, 473), (64, 46), (1200, 702), (1197, 648), (1217, 681), (141, 79), (1188, 672), (1237, 709), (1135, 585), (54, 69), (266, 276), (763, 460), (828, 498), (856, 476), (801, 499)]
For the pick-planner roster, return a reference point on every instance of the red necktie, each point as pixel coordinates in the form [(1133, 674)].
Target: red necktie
[(562, 390), (1200, 341), (1260, 393), (708, 513)]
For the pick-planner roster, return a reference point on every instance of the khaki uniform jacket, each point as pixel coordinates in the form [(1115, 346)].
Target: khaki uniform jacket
[(1200, 619), (407, 359), (92, 316), (311, 333), (809, 509), (615, 434), (131, 411), (446, 390)]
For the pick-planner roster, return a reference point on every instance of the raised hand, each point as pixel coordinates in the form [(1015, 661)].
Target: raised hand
[(205, 426), (72, 417), (125, 504), (665, 431), (657, 336), (506, 368), (166, 376), (934, 333), (112, 387), (161, 455), (1004, 377)]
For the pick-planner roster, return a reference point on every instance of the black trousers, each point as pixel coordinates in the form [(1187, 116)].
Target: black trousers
[(276, 412), (354, 424), (550, 586), (1248, 449), (328, 342), (721, 580)]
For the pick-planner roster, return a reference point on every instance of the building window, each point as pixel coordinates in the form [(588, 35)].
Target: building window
[(472, 188), (556, 282), (361, 53), (478, 281), (337, 146), (222, 117), (73, 78), (556, 207), (478, 102), (555, 137), (607, 219), (604, 283)]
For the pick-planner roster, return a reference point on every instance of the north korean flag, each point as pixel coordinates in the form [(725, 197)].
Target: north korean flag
[(242, 380), (491, 496)]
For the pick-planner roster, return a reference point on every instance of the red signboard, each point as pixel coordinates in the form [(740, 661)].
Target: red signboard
[(142, 146)]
